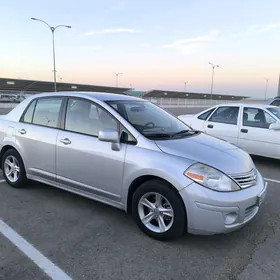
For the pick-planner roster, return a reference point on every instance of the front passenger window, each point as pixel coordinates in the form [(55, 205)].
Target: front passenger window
[(83, 116)]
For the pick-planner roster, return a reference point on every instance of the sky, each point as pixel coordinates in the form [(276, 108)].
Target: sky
[(156, 44)]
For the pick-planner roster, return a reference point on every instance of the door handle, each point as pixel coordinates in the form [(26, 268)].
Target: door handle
[(243, 130), (22, 131), (65, 141), (210, 125)]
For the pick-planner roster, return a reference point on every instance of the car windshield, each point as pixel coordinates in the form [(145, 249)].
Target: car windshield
[(150, 120), (275, 112)]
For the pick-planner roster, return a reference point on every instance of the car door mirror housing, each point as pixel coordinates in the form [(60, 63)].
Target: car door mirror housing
[(275, 126), (108, 135)]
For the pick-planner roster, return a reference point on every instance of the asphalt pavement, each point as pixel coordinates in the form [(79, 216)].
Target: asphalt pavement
[(89, 240)]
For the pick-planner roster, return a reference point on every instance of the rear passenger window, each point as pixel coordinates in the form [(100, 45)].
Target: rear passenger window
[(224, 114), (204, 116), (27, 118), (47, 111)]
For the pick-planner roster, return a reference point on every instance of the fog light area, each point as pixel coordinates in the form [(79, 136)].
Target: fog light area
[(230, 218)]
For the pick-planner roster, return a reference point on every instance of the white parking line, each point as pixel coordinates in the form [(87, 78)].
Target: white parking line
[(39, 259), (2, 181), (272, 180)]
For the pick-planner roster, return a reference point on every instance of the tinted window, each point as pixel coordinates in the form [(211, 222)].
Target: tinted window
[(227, 115), (27, 118), (85, 117), (47, 111), (276, 102), (205, 115), (255, 117)]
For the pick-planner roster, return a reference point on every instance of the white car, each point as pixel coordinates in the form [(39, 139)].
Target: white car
[(254, 128)]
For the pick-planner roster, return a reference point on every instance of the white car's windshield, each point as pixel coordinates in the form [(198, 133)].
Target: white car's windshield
[(275, 112), (151, 120)]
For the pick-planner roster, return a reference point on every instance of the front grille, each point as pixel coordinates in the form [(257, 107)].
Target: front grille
[(246, 180)]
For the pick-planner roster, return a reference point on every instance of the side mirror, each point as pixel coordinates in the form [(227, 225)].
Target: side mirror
[(275, 126), (108, 135)]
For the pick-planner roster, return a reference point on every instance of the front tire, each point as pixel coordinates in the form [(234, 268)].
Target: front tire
[(13, 169), (158, 210)]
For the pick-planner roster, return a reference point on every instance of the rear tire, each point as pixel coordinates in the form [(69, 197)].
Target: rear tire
[(13, 169), (158, 210)]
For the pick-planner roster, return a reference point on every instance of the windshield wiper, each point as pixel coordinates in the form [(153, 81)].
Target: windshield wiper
[(158, 135), (185, 131)]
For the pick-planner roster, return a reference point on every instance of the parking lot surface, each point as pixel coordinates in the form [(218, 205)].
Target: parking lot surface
[(89, 240)]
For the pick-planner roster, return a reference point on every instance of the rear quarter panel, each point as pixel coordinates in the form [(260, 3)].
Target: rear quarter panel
[(8, 135)]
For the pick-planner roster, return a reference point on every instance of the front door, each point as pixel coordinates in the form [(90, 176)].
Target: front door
[(255, 137), (84, 162), (223, 123), (36, 135)]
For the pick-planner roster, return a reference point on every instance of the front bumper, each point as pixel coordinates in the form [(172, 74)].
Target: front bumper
[(210, 212)]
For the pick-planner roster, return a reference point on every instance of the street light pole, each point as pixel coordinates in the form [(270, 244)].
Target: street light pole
[(213, 68), (266, 84), (185, 87), (117, 78), (53, 30)]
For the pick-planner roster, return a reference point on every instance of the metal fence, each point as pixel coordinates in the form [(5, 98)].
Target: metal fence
[(187, 102)]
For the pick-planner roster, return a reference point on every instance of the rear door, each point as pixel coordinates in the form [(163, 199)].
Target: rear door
[(223, 123), (255, 137), (197, 121), (36, 135)]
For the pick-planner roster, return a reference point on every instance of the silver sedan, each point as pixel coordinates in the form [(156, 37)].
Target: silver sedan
[(131, 154)]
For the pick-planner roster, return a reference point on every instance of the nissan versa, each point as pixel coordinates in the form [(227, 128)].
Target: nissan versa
[(131, 154)]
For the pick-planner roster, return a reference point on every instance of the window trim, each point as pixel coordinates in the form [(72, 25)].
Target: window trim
[(263, 109), (119, 124), (213, 110), (239, 109), (58, 126), (26, 109)]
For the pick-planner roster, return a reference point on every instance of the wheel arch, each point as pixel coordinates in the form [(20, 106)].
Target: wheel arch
[(6, 148), (137, 182)]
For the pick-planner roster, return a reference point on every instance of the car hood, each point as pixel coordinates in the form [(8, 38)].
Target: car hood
[(211, 151)]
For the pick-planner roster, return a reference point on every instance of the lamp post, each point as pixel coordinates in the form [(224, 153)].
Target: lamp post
[(185, 86), (213, 68), (266, 84), (53, 30), (117, 78)]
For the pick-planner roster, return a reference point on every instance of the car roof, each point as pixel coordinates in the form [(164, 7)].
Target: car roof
[(97, 95), (256, 105)]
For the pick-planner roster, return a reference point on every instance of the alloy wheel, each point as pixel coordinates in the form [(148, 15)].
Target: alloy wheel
[(155, 212)]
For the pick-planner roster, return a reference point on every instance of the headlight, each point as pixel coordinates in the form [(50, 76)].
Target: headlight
[(211, 178)]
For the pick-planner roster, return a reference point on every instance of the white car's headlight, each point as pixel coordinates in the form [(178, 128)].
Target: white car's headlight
[(211, 178)]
